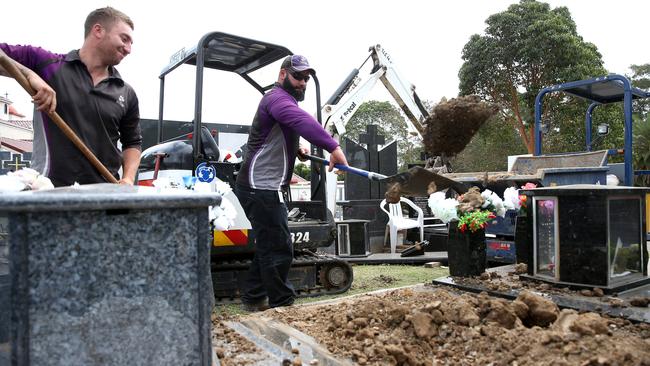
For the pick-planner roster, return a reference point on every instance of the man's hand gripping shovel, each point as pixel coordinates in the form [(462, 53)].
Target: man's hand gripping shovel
[(417, 181)]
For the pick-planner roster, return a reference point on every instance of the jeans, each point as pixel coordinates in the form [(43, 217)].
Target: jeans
[(269, 270)]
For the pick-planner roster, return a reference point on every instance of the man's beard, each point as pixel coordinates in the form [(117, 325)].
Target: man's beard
[(296, 93)]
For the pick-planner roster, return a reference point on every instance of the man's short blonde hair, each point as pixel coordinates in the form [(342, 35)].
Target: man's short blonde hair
[(106, 17)]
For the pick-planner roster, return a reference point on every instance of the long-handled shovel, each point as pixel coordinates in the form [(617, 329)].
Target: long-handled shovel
[(416, 181), (11, 68)]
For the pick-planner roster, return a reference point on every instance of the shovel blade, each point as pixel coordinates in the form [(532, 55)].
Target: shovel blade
[(417, 182)]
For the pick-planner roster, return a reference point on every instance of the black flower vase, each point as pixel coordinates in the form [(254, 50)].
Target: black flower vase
[(466, 252), (524, 240), (521, 241)]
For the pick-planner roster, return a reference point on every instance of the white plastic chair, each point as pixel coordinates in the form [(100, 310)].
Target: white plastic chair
[(397, 221)]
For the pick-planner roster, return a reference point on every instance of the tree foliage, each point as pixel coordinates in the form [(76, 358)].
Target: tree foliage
[(303, 170), (526, 48), (641, 149), (489, 148), (391, 124), (640, 78)]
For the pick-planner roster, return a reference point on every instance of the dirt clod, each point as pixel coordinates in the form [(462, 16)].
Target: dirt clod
[(541, 311), (471, 201), (220, 352), (393, 193), (501, 312), (423, 325), (590, 324), (521, 268), (640, 301), (598, 292)]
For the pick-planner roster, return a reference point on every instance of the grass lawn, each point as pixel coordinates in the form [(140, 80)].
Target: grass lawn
[(368, 278)]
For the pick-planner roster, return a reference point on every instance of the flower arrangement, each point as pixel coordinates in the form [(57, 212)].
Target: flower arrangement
[(475, 220), (473, 210), (512, 200)]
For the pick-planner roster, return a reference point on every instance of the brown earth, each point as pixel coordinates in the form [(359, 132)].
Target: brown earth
[(449, 128), (433, 325), (453, 123)]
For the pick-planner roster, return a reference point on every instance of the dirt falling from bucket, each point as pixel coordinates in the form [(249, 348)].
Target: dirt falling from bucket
[(454, 122), (448, 129)]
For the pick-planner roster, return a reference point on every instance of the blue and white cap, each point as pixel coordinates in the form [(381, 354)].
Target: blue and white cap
[(297, 63)]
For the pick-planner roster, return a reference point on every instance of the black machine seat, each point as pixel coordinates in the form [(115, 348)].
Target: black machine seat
[(209, 146)]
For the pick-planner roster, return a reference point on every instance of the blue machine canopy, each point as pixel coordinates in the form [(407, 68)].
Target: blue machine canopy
[(603, 92)]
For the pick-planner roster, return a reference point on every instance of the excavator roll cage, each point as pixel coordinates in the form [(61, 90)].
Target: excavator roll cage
[(233, 248), (239, 55)]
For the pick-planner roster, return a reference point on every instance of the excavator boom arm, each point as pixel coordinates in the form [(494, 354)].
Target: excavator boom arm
[(349, 96)]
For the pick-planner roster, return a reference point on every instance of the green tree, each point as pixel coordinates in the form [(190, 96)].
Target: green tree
[(640, 78), (303, 170), (641, 154), (526, 48), (489, 149), (390, 123), (565, 123)]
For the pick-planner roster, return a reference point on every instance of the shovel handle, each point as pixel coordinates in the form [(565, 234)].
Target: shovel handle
[(347, 168), (13, 70)]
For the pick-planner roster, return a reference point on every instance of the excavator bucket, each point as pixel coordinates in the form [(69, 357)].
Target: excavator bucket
[(421, 182)]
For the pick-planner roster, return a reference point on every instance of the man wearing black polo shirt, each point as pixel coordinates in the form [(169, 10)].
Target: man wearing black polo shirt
[(86, 90)]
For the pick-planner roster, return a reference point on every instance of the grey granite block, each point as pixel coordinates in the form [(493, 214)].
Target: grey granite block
[(109, 275), (4, 284)]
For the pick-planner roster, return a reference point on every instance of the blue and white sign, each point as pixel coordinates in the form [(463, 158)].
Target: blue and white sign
[(205, 172)]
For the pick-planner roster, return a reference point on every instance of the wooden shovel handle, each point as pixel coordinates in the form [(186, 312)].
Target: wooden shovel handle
[(8, 64)]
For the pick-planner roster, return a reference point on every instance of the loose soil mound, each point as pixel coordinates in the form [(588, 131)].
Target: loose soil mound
[(438, 326), (453, 123)]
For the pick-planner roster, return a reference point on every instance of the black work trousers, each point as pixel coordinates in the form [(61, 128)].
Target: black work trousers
[(269, 271)]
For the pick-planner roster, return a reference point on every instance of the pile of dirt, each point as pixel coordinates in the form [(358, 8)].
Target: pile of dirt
[(453, 123), (434, 324), (439, 326)]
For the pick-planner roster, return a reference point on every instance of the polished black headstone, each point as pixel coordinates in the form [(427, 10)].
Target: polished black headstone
[(362, 195), (356, 187), (387, 165), (586, 235), (371, 158)]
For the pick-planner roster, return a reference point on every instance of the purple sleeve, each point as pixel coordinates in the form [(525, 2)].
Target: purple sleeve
[(288, 114), (30, 57)]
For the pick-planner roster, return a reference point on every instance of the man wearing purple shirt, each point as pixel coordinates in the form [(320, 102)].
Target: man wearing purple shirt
[(86, 90), (266, 172)]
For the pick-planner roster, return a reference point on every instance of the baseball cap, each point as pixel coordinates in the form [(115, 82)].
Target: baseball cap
[(297, 63)]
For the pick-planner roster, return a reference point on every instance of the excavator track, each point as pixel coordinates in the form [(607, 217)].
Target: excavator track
[(311, 275)]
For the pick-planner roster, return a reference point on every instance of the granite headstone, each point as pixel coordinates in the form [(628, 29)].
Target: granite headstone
[(106, 275)]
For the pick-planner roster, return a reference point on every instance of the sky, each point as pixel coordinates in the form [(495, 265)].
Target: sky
[(424, 38)]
